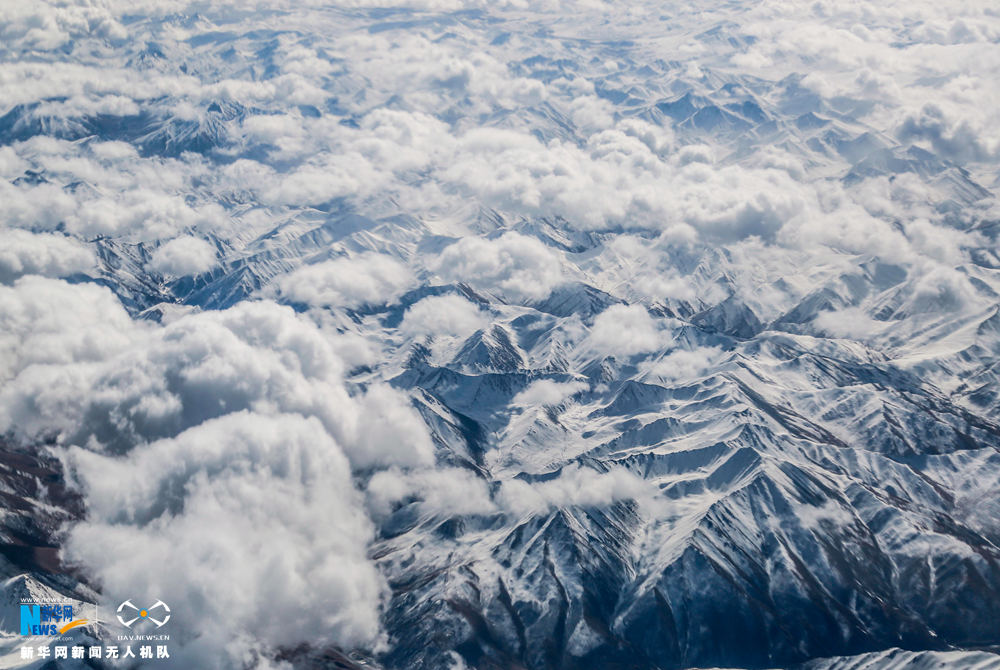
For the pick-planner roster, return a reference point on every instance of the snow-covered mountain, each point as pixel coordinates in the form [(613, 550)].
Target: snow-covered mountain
[(507, 335)]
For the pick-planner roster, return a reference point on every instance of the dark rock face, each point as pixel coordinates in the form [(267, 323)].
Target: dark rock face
[(806, 550), (36, 504)]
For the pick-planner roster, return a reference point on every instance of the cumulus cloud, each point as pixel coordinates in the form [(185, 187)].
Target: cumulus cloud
[(24, 253), (46, 324), (81, 371), (368, 278), (449, 315), (40, 207), (45, 27), (547, 392), (11, 165), (949, 135), (387, 431), (218, 436), (517, 266), (244, 518), (183, 256), (626, 330), (575, 485), (850, 322), (683, 364), (597, 186), (444, 492), (145, 214)]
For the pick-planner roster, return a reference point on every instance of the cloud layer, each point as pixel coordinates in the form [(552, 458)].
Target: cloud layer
[(281, 281)]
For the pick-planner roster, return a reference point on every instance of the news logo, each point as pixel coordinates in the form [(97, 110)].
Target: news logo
[(48, 619)]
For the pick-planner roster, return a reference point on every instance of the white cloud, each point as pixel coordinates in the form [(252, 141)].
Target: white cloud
[(81, 371), (445, 492), (648, 269), (683, 364), (237, 422), (239, 523), (183, 256), (575, 485), (369, 278), (354, 349), (388, 432), (114, 150), (448, 315), (519, 267), (11, 165), (44, 27), (626, 330), (144, 213), (941, 289), (311, 185), (851, 322), (950, 133), (24, 253), (547, 392), (42, 207), (46, 323)]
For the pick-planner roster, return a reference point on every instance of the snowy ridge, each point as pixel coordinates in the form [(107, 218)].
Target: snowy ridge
[(581, 335)]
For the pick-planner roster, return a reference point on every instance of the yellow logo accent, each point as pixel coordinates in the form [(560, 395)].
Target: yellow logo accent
[(72, 624)]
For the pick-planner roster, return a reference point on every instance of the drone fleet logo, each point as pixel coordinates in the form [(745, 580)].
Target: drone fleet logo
[(127, 609)]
